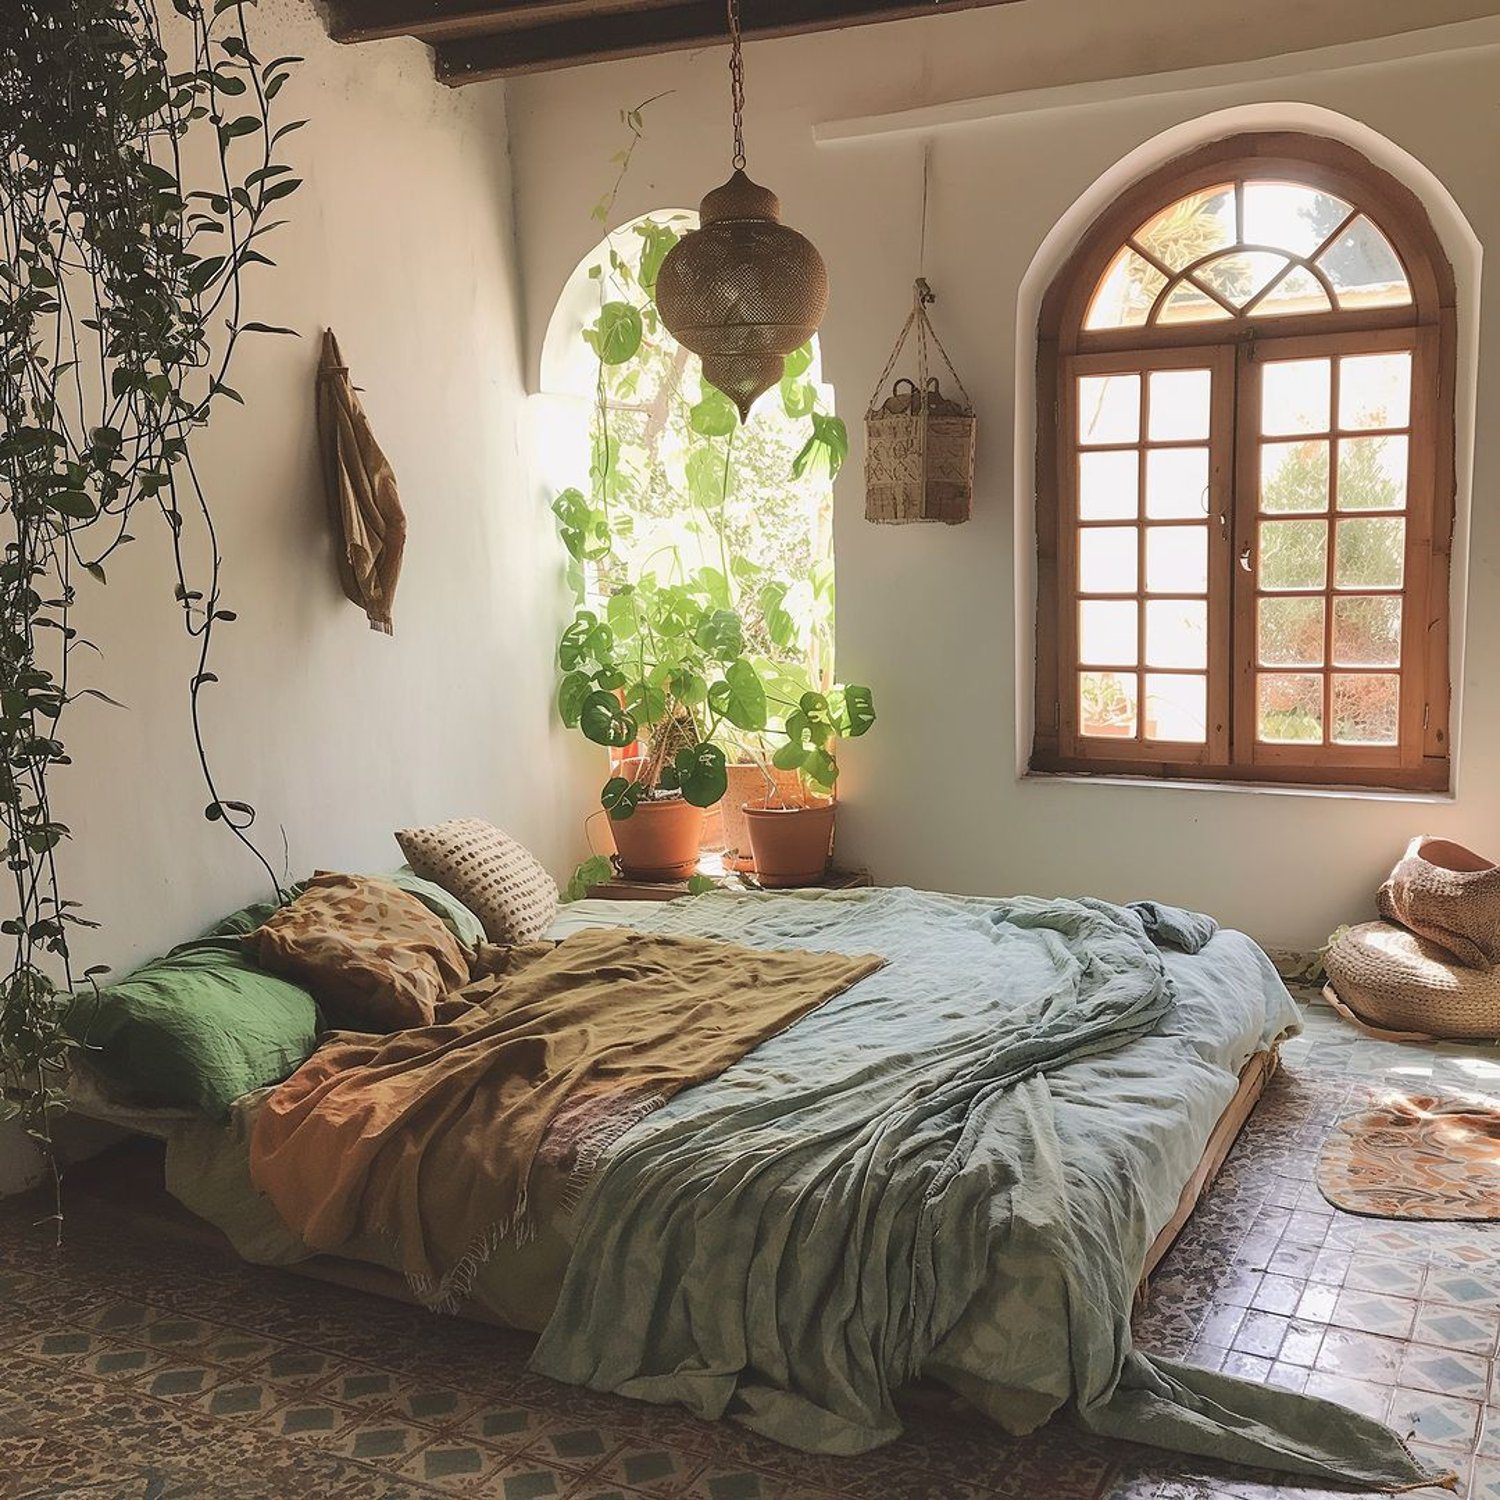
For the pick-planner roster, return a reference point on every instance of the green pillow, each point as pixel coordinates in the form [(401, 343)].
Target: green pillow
[(206, 1023), (197, 1028)]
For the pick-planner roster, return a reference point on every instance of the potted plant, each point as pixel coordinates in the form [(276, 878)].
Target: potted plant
[(752, 778), (666, 669), (791, 838), (662, 669)]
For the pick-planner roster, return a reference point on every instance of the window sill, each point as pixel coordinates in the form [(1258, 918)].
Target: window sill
[(1254, 788)]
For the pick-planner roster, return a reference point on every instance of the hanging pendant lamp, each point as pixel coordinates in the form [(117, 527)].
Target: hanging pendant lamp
[(742, 291)]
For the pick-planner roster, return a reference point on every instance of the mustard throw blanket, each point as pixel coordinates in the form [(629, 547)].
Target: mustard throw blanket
[(427, 1137)]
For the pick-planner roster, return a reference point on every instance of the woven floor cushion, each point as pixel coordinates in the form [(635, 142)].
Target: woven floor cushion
[(1393, 980)]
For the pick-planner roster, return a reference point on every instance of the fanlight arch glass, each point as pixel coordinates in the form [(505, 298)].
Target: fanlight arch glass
[(1250, 248)]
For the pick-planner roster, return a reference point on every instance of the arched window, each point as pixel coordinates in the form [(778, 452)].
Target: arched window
[(742, 509), (1245, 477), (658, 487)]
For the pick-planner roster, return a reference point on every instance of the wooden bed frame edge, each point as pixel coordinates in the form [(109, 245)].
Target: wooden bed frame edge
[(1254, 1077)]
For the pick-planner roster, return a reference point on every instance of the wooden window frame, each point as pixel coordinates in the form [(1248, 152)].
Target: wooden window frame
[(1421, 760)]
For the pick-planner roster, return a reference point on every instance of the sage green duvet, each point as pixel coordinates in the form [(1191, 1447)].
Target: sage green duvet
[(952, 1171)]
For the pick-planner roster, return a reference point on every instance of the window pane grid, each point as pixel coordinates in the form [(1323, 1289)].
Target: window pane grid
[(1331, 455), (1248, 248), (1153, 521), (1142, 477), (1123, 447)]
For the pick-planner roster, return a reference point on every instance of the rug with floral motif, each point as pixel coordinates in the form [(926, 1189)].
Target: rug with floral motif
[(1416, 1156)]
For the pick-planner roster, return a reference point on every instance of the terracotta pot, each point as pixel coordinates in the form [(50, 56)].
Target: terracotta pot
[(659, 840), (748, 784), (791, 845)]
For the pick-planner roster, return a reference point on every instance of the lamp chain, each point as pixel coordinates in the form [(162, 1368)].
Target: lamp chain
[(737, 84)]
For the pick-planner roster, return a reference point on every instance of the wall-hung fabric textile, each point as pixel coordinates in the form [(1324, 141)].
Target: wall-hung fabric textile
[(364, 507)]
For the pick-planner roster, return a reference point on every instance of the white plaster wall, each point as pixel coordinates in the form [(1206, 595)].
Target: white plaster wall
[(934, 618), (401, 240)]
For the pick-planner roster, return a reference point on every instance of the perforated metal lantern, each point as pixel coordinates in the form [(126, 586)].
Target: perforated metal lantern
[(743, 290)]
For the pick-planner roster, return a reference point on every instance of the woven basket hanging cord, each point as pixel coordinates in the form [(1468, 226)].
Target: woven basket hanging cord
[(922, 297), (917, 319)]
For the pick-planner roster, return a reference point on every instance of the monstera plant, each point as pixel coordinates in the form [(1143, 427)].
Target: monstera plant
[(664, 671), (139, 178)]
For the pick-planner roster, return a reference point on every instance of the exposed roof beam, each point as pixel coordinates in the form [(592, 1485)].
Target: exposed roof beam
[(601, 37), (443, 20)]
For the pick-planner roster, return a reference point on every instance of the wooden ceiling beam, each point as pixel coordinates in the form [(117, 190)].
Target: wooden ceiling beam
[(447, 20), (644, 29)]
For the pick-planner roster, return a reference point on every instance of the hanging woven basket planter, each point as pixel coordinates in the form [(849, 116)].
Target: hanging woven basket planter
[(919, 443)]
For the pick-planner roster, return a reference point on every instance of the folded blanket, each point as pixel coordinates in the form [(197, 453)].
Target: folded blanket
[(427, 1137)]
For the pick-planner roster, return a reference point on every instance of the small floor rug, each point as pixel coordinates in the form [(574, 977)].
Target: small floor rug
[(1415, 1156)]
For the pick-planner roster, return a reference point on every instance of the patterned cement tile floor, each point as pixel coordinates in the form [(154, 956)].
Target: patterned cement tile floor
[(141, 1362)]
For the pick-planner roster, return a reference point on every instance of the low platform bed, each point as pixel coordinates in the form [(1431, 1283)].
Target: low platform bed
[(1139, 1109), (959, 1169)]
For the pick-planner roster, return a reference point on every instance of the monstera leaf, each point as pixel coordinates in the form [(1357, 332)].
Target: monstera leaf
[(740, 696), (701, 774), (859, 710), (721, 635), (620, 797), (603, 719)]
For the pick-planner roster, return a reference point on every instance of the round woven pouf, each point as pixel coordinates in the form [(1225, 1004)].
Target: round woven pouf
[(1391, 978)]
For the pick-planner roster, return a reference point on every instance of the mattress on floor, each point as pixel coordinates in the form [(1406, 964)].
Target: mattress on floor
[(1155, 1101), (208, 1171)]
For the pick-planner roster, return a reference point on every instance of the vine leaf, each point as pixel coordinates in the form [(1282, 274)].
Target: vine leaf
[(616, 335), (596, 870)]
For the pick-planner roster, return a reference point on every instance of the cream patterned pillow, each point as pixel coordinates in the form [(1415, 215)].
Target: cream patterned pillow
[(501, 882)]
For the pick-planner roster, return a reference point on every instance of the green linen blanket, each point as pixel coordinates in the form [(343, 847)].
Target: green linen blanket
[(883, 1193)]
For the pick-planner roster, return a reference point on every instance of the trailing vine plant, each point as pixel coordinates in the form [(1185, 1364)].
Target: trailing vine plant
[(139, 177), (703, 626)]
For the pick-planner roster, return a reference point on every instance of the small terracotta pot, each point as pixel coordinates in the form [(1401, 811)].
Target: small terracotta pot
[(659, 840), (747, 783), (791, 844)]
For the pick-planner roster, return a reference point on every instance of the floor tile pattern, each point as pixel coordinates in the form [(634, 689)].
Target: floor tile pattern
[(139, 1362)]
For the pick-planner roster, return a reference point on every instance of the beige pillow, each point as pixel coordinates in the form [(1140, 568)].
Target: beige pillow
[(374, 957), (500, 881)]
